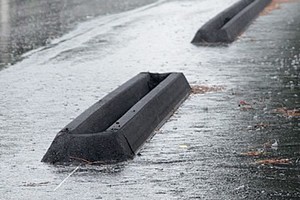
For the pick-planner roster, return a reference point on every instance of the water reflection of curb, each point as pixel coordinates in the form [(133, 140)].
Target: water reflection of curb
[(114, 128), (226, 26)]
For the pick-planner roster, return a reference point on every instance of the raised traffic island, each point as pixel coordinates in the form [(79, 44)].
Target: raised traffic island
[(230, 23), (115, 127)]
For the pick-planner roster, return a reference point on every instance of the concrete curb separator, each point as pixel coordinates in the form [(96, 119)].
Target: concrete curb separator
[(230, 23), (114, 128)]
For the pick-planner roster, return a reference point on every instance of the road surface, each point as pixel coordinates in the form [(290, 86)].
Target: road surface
[(215, 144)]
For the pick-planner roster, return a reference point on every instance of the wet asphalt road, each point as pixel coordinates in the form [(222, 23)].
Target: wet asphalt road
[(27, 25), (205, 151)]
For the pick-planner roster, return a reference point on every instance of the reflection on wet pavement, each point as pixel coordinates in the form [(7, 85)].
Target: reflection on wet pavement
[(28, 25), (220, 144)]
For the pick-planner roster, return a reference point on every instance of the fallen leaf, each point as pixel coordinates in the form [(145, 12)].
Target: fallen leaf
[(288, 112), (245, 106), (242, 103), (273, 161), (293, 113), (275, 4), (201, 89)]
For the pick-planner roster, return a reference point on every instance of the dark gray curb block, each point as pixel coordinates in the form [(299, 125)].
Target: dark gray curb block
[(226, 26), (114, 128)]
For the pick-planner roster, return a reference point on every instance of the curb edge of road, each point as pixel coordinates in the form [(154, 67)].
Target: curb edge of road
[(230, 23), (115, 127)]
